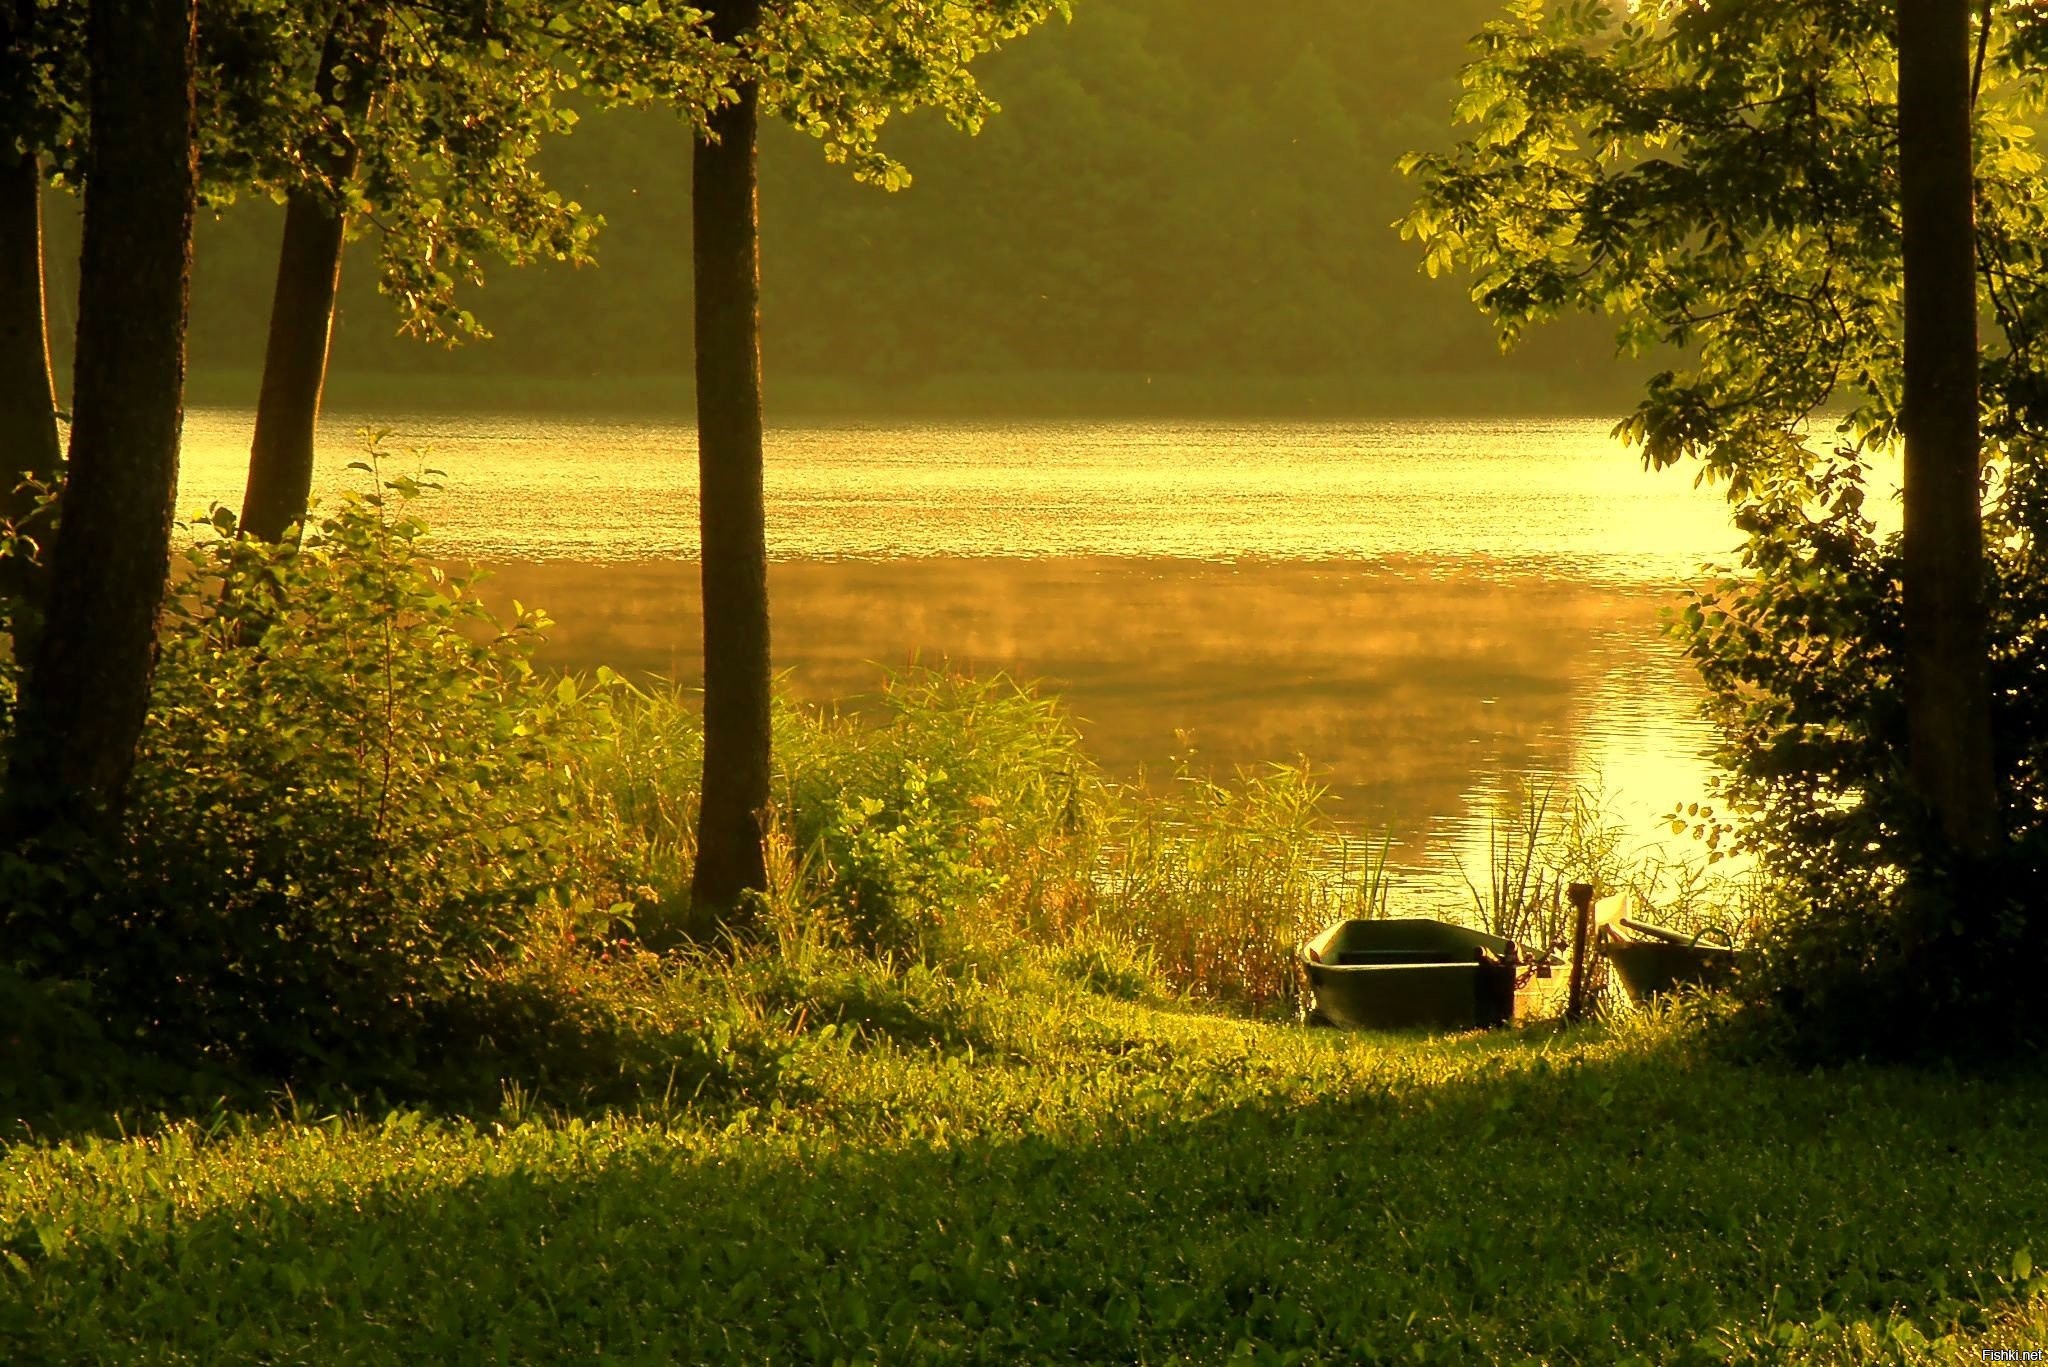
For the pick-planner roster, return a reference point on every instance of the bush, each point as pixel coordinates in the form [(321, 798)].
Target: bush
[(1884, 945), (910, 826), (954, 818), (345, 816)]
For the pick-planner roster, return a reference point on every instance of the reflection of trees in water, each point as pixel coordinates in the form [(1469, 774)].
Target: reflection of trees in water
[(1414, 686)]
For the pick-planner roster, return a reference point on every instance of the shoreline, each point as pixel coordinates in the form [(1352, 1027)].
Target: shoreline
[(965, 396)]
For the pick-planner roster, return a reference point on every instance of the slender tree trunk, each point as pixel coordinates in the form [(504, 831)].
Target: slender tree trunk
[(87, 689), (294, 369), (28, 399), (725, 223), (301, 328), (1948, 697), (29, 445)]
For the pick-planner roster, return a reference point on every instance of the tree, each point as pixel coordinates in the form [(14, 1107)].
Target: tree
[(87, 688), (1948, 691), (427, 122), (1773, 195), (44, 103), (302, 302), (725, 253), (836, 71), (38, 57), (28, 401)]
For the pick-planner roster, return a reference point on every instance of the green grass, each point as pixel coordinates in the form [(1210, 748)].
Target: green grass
[(968, 1096), (1074, 1178)]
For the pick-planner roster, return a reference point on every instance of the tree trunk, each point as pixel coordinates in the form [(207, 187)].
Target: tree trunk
[(301, 327), (28, 400), (87, 689), (1948, 697), (725, 223), (294, 368)]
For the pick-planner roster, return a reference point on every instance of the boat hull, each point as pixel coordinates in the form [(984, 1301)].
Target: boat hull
[(1421, 974), (1414, 996), (1651, 968)]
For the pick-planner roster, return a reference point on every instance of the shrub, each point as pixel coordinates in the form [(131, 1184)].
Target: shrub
[(953, 818), (345, 815), (1886, 945), (911, 826)]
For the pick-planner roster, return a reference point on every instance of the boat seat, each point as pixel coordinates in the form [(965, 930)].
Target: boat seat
[(1407, 956)]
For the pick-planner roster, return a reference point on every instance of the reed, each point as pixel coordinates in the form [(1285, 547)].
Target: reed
[(1524, 896)]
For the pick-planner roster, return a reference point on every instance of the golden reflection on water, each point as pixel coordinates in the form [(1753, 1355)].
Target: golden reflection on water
[(1424, 610), (1556, 491)]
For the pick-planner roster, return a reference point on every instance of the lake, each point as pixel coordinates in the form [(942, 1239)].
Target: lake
[(1428, 611)]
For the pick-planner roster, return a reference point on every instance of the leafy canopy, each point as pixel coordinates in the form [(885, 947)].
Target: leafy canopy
[(1721, 181)]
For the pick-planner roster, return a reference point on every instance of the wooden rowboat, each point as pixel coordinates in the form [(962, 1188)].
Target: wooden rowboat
[(1413, 972), (1654, 961)]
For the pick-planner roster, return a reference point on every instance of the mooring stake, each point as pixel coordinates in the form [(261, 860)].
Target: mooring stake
[(1582, 945)]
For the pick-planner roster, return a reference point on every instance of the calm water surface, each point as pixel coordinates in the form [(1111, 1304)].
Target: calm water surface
[(1427, 611)]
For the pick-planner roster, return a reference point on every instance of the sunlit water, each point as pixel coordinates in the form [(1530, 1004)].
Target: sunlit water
[(1427, 611)]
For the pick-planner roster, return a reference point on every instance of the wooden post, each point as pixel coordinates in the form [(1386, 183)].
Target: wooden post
[(1582, 946)]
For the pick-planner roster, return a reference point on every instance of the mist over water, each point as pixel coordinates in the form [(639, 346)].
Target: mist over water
[(1424, 610)]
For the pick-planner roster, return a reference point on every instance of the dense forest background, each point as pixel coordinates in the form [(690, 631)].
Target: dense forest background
[(1184, 207)]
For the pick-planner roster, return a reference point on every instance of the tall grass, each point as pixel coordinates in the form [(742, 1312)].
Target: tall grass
[(951, 821), (1524, 896), (957, 820), (1220, 881)]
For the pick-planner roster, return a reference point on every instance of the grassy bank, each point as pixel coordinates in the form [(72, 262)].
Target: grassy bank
[(370, 1040), (1081, 1179)]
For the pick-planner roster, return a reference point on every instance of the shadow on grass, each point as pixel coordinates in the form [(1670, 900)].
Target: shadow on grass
[(1593, 1205)]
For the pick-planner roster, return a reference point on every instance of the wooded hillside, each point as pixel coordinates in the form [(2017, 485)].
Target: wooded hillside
[(1181, 207)]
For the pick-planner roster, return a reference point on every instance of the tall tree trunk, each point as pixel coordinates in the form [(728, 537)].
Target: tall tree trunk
[(301, 326), (28, 399), (1948, 697), (725, 224), (87, 689)]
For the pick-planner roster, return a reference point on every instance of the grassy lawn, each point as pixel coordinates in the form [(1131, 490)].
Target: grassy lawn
[(1082, 1179)]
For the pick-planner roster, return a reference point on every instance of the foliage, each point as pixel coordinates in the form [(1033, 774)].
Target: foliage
[(1163, 196), (446, 113), (461, 103), (837, 71), (346, 814), (42, 82), (949, 820), (909, 821), (1721, 181), (1106, 1184)]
